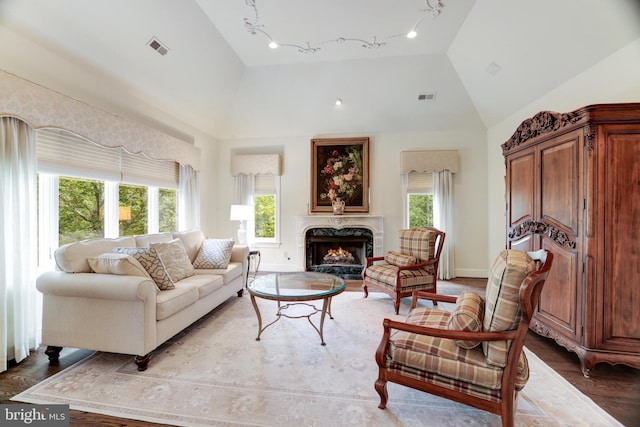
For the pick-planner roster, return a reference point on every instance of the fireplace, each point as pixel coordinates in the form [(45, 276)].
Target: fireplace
[(338, 244), (341, 252)]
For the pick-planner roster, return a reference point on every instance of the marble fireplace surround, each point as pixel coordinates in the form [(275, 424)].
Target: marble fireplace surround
[(370, 222)]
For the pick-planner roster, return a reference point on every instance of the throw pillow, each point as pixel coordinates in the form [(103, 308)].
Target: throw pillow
[(502, 301), (175, 259), (214, 253), (467, 316), (400, 260), (149, 259), (121, 264)]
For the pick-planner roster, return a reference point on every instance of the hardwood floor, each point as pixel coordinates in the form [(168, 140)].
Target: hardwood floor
[(616, 389)]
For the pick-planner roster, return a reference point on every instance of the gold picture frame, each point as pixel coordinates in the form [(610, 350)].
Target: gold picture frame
[(340, 169)]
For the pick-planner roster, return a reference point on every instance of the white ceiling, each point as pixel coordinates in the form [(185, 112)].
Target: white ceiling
[(222, 80)]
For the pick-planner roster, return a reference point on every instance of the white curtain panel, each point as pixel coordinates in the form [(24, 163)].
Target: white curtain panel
[(244, 190), (20, 302), (189, 198), (443, 220)]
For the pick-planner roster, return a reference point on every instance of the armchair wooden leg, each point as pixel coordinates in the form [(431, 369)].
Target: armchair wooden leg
[(366, 290), (396, 304), (381, 388)]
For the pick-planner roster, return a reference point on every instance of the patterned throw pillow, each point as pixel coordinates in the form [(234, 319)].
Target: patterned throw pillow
[(120, 264), (400, 260), (149, 259), (502, 301), (467, 316), (214, 253), (175, 259)]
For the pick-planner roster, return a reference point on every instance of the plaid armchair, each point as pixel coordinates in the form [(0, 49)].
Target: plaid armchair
[(473, 354), (414, 268)]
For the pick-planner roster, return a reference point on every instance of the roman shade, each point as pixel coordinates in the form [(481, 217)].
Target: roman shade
[(427, 161)]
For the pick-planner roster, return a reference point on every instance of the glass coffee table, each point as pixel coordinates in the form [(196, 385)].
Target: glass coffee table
[(293, 291)]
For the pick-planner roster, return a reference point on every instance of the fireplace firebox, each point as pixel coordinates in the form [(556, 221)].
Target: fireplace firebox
[(338, 251)]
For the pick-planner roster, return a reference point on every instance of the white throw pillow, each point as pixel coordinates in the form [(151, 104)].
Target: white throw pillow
[(214, 253), (175, 259), (121, 264)]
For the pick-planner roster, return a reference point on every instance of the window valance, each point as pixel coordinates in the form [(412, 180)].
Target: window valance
[(42, 107), (426, 161), (257, 164)]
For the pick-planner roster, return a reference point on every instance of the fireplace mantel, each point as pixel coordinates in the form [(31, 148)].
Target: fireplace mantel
[(304, 223)]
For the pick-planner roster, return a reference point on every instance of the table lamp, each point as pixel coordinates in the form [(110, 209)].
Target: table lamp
[(242, 213)]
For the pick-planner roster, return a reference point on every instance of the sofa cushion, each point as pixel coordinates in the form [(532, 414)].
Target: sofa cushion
[(175, 259), (399, 259), (502, 300), (192, 240), (121, 264), (214, 253), (233, 270), (172, 301), (72, 257), (143, 240), (151, 262), (467, 316), (204, 283)]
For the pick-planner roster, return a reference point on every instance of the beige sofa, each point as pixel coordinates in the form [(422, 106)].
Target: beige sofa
[(129, 314)]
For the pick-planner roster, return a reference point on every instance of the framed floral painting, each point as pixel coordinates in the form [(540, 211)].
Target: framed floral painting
[(340, 173)]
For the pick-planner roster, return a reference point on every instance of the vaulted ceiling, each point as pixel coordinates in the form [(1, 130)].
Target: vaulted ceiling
[(479, 61)]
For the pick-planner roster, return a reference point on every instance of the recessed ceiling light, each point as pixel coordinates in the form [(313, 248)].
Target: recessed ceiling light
[(338, 101), (273, 45), (412, 34)]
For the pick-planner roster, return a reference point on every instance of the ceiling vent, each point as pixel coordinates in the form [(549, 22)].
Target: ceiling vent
[(426, 96), (158, 46)]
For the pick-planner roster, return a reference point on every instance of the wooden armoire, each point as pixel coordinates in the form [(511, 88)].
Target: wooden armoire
[(573, 187)]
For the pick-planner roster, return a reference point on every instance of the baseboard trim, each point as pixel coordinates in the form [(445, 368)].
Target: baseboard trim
[(472, 272)]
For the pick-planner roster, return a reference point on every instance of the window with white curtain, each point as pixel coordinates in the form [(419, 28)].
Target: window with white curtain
[(257, 182), (419, 200), (266, 203), (89, 191)]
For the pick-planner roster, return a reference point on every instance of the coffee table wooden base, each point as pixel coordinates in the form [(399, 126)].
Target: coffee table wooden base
[(326, 308)]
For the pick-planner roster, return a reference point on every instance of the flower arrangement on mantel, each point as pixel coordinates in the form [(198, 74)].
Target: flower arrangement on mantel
[(342, 175)]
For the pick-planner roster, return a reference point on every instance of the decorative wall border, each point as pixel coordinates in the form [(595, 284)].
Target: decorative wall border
[(42, 107)]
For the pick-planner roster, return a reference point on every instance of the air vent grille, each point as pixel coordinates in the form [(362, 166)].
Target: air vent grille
[(426, 96), (158, 46)]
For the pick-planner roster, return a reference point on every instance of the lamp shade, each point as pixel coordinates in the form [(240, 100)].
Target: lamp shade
[(241, 213)]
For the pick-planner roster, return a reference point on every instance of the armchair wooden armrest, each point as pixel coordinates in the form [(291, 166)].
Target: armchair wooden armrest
[(370, 260), (431, 296), (389, 324)]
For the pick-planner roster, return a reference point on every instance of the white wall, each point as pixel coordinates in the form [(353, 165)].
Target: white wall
[(614, 79), (385, 181)]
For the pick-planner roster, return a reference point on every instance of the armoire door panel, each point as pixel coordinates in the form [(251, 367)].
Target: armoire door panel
[(521, 193), (559, 187), (622, 240), (560, 296)]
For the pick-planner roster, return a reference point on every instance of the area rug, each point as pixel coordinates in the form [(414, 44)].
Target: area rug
[(216, 374)]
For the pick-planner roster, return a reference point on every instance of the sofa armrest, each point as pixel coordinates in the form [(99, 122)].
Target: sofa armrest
[(98, 286), (240, 253)]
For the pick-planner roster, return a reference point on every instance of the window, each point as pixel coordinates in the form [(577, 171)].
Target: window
[(419, 199), (81, 209), (132, 210), (266, 205), (87, 191)]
